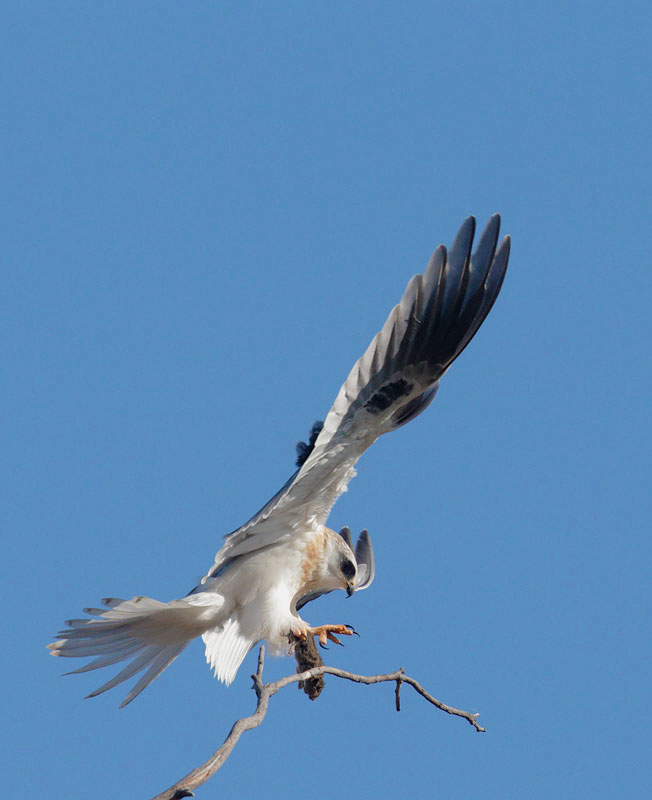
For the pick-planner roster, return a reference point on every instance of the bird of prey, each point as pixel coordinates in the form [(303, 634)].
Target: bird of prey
[(285, 556)]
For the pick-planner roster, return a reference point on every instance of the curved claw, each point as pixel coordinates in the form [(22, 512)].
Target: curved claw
[(353, 630), (323, 646)]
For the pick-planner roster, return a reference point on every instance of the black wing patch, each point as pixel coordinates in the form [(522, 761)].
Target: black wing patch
[(388, 394)]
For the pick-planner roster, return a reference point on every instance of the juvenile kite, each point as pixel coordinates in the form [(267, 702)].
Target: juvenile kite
[(285, 556)]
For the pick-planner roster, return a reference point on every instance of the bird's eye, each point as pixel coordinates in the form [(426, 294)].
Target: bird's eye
[(348, 569)]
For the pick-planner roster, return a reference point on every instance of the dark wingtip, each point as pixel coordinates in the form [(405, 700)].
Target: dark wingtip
[(501, 259), (345, 533), (464, 238), (364, 554)]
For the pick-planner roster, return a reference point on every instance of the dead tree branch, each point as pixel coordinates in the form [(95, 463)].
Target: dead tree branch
[(311, 680)]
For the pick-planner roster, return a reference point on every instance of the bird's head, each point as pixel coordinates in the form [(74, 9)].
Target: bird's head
[(351, 570)]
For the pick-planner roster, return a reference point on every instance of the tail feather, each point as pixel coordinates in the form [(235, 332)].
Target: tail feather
[(72, 648), (147, 655), (111, 602), (106, 661), (78, 623), (154, 632), (163, 660)]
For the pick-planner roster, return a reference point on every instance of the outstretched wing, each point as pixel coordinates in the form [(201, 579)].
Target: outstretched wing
[(393, 382)]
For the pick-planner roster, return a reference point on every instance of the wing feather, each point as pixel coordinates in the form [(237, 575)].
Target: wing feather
[(394, 380)]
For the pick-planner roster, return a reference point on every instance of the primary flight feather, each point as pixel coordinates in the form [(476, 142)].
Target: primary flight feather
[(285, 556)]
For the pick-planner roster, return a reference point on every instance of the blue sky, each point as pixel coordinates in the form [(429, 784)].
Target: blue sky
[(209, 210)]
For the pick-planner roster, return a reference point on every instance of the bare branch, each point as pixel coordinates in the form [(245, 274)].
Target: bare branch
[(264, 691)]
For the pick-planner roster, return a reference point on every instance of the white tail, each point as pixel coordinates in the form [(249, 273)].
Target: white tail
[(153, 632)]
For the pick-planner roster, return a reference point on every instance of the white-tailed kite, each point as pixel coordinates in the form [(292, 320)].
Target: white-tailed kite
[(285, 556)]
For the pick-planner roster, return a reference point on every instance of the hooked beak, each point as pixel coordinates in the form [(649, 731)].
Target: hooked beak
[(349, 589)]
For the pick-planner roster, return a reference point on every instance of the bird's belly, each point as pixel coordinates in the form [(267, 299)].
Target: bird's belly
[(261, 588)]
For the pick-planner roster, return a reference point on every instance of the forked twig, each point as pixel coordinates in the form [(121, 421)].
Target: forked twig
[(198, 776)]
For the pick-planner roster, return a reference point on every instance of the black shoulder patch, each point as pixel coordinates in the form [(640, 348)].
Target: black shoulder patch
[(386, 395), (305, 449)]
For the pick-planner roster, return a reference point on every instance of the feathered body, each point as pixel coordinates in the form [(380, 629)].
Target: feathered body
[(254, 597), (264, 591), (284, 556)]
